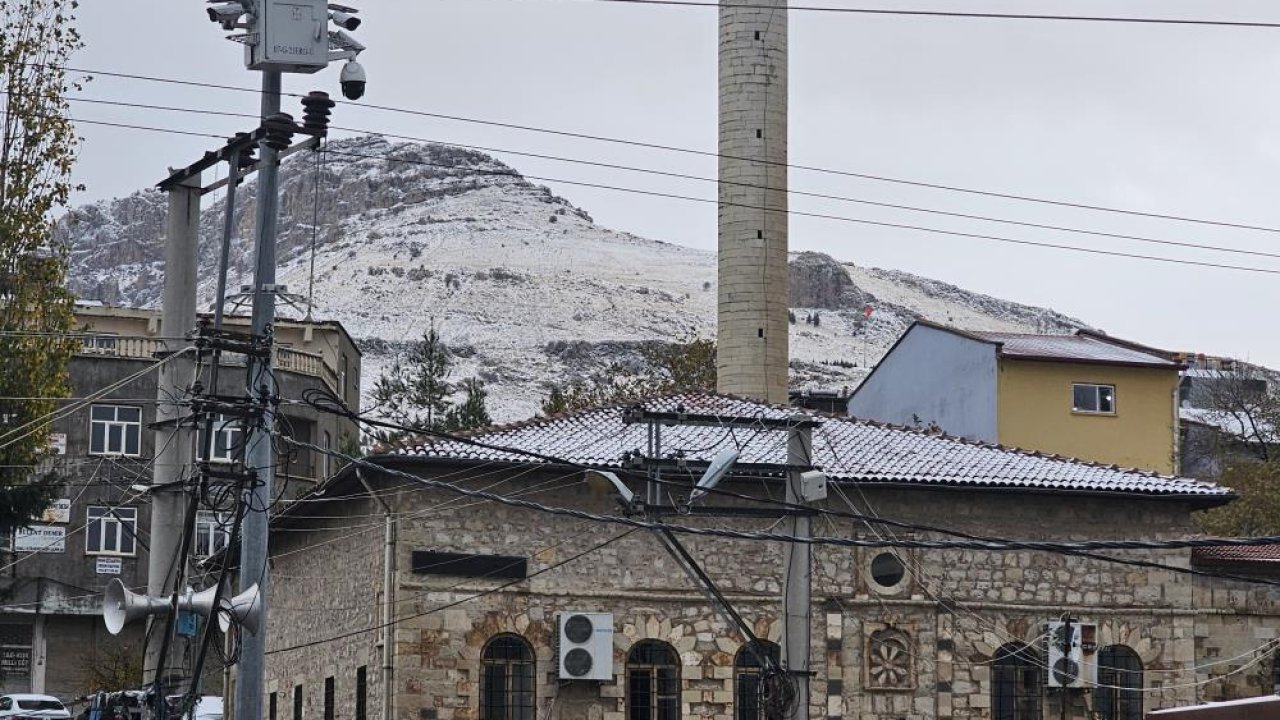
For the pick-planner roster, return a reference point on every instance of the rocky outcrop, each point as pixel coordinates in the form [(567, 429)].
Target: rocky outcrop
[(819, 281)]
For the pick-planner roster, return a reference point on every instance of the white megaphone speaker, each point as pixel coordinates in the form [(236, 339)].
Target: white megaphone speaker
[(120, 606), (200, 603), (244, 609)]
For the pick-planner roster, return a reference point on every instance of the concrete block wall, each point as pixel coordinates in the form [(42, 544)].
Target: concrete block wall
[(752, 332)]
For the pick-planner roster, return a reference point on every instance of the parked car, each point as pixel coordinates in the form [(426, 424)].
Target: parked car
[(35, 707)]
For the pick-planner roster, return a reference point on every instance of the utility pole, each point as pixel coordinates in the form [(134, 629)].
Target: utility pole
[(797, 570), (173, 433), (804, 486), (261, 382)]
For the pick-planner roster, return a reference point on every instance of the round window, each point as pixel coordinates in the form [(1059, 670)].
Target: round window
[(887, 570)]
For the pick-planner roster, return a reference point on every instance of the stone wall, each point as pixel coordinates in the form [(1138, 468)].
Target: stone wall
[(915, 649)]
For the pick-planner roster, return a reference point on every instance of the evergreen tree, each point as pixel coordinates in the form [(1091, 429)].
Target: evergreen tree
[(416, 393), (471, 413), (37, 149)]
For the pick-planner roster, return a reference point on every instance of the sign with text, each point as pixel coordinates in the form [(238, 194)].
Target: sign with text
[(40, 538), (15, 660), (59, 511), (108, 565)]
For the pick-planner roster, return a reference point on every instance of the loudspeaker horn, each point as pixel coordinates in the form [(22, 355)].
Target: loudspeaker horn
[(244, 609), (120, 606), (200, 603)]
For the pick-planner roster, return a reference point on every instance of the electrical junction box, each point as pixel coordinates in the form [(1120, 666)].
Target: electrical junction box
[(586, 646), (813, 485), (289, 36)]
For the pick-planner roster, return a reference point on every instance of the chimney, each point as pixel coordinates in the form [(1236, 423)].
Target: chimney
[(752, 303)]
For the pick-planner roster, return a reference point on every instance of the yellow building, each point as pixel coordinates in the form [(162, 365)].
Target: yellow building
[(1087, 395)]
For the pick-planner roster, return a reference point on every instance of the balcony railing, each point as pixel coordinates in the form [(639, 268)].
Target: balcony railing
[(287, 359)]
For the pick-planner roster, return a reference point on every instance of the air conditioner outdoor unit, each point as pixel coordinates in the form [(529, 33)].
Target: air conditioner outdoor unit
[(586, 646), (1072, 654)]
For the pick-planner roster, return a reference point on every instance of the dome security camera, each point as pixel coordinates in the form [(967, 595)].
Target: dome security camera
[(352, 80)]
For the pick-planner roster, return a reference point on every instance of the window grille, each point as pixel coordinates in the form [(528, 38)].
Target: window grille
[(1119, 692), (653, 682), (747, 665), (506, 682), (1015, 683)]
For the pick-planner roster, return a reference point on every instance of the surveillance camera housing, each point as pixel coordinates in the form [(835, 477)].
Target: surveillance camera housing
[(352, 80), (344, 20), (225, 14)]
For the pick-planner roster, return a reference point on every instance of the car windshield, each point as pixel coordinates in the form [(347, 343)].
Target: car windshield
[(40, 705)]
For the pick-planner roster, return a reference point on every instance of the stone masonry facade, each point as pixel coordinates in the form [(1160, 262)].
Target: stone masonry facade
[(752, 334), (920, 648)]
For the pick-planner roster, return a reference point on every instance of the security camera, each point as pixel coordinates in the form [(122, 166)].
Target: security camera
[(344, 20), (353, 80), (225, 13)]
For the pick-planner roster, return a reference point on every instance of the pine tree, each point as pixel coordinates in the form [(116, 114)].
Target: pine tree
[(416, 393), (37, 149), (471, 413)]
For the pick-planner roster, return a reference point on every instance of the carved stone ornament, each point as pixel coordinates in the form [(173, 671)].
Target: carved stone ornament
[(889, 663)]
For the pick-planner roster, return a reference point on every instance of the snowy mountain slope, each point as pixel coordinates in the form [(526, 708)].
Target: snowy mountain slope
[(525, 288)]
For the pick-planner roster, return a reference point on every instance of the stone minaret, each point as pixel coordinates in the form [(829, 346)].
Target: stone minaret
[(752, 332)]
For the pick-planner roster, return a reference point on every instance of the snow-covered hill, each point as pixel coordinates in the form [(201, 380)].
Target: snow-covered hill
[(524, 287)]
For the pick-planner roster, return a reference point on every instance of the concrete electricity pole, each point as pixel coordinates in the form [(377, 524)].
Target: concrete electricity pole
[(173, 437), (797, 569), (261, 381), (283, 36)]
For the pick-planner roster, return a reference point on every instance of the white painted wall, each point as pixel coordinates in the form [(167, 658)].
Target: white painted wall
[(937, 376)]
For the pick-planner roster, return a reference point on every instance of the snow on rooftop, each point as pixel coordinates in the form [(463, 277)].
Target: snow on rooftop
[(1080, 347), (845, 448)]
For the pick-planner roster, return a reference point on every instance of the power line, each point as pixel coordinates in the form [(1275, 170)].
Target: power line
[(698, 178), (503, 586), (708, 153), (769, 536), (796, 213), (837, 218), (955, 14)]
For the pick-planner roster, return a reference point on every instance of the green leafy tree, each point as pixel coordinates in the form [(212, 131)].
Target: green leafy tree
[(687, 366), (1257, 511), (37, 149)]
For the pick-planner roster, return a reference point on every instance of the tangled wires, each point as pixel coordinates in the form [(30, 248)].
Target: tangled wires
[(777, 691)]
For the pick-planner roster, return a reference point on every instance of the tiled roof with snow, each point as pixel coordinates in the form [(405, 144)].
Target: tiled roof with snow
[(1232, 554), (845, 448), (1078, 348)]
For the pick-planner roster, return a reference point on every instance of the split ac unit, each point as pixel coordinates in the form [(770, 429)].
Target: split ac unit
[(1073, 659), (586, 646)]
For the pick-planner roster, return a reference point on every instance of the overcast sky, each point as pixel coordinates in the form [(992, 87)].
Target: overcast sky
[(1165, 119)]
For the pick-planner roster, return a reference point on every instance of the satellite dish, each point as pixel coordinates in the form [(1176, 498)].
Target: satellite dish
[(720, 465)]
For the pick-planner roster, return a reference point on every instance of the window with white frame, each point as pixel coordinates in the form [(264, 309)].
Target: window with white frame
[(112, 531), (228, 434), (115, 430), (211, 533), (104, 343), (1089, 398)]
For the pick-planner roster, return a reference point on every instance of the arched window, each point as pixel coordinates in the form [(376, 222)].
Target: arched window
[(653, 682), (747, 665), (1015, 683), (1119, 693), (506, 679)]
